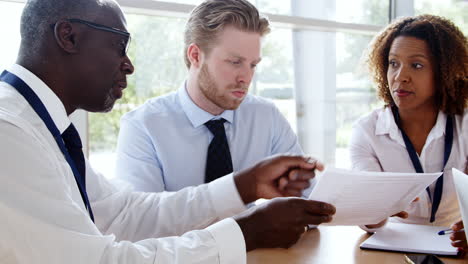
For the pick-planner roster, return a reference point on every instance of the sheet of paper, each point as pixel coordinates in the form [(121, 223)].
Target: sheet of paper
[(363, 198), (411, 238), (460, 180)]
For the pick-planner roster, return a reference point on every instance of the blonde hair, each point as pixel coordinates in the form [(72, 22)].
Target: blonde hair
[(211, 16)]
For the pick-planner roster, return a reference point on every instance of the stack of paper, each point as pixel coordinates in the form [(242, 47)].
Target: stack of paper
[(368, 197)]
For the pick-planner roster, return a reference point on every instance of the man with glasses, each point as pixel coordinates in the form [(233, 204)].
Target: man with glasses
[(56, 209), (124, 44)]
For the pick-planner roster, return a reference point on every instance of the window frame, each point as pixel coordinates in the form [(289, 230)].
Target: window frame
[(171, 9)]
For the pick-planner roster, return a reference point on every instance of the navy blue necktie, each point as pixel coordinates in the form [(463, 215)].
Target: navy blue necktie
[(218, 162), (75, 148), (69, 142), (72, 141)]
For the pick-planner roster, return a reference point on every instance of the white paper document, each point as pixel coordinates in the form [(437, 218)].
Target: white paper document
[(411, 238), (460, 180), (363, 198)]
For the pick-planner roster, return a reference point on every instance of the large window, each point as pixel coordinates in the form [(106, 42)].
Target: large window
[(455, 10), (9, 29), (157, 54), (292, 65), (312, 65), (355, 94)]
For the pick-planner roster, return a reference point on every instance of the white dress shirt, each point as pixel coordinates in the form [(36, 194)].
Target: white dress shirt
[(163, 144), (377, 145), (44, 219)]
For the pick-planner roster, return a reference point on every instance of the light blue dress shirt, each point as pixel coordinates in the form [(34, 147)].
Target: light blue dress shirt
[(163, 144)]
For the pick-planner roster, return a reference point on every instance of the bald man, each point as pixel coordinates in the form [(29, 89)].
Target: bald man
[(55, 209)]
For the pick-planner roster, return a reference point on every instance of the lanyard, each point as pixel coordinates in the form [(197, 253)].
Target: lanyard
[(417, 164), (42, 112)]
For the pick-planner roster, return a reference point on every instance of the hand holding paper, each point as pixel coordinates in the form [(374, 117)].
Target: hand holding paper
[(368, 197)]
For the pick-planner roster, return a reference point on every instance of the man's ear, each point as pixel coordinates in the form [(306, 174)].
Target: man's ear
[(65, 36), (194, 54)]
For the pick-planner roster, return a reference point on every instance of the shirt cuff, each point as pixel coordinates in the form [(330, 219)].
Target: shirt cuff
[(225, 197), (230, 241)]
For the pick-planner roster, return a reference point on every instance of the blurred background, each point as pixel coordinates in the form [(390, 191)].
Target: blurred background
[(312, 66)]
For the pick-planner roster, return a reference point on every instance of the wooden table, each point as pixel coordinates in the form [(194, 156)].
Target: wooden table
[(332, 245)]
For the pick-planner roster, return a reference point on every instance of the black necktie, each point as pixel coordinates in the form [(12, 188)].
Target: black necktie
[(218, 162), (72, 141)]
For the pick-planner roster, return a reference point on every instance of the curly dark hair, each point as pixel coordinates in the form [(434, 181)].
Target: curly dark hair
[(447, 44)]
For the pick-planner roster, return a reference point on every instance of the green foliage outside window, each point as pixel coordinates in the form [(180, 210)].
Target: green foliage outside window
[(105, 127)]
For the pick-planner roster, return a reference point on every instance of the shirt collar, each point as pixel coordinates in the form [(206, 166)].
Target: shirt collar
[(50, 100), (195, 114), (386, 125), (439, 129)]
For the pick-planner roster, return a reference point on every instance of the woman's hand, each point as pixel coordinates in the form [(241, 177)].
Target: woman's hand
[(458, 237)]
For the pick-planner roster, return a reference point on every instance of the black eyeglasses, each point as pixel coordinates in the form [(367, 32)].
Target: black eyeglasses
[(105, 28)]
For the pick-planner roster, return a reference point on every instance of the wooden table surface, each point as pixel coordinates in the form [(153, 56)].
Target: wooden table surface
[(332, 245)]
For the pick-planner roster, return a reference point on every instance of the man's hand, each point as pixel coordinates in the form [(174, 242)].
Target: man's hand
[(459, 237), (281, 221), (298, 179), (277, 176)]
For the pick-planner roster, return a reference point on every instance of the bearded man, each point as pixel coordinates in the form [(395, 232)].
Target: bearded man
[(211, 125)]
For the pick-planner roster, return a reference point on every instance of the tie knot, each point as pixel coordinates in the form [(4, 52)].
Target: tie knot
[(216, 126), (71, 137)]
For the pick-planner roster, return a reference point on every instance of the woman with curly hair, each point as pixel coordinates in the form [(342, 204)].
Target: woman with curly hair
[(420, 66)]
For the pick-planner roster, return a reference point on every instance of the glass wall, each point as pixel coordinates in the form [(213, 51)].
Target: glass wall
[(9, 29), (355, 93), (455, 10), (157, 53), (316, 78)]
